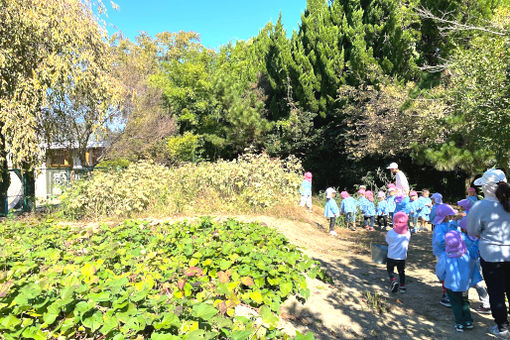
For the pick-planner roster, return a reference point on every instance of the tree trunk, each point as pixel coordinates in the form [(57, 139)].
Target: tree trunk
[(28, 190), (4, 177)]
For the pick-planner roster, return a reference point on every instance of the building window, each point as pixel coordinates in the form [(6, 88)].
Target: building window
[(58, 158)]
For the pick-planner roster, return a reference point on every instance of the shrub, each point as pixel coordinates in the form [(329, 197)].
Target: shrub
[(249, 184), (135, 280)]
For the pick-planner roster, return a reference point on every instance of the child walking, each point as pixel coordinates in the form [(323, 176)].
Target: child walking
[(368, 210), (398, 242), (306, 191), (472, 244), (443, 223), (348, 208), (331, 210), (382, 211), (456, 269)]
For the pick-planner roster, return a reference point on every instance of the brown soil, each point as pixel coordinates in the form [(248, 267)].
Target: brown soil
[(343, 309)]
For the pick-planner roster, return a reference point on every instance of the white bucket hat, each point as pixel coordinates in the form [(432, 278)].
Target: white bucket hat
[(392, 166), (491, 176), (329, 192)]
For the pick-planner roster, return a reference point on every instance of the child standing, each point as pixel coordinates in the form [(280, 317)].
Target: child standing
[(456, 268), (472, 195), (369, 211), (402, 204), (415, 209), (443, 223), (348, 208), (382, 211), (437, 199), (331, 210), (398, 242), (392, 190), (426, 204), (306, 191)]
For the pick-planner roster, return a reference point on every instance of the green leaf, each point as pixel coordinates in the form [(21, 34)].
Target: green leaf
[(256, 296), (33, 332), (9, 322), (169, 320), (204, 311), (307, 336), (100, 297), (285, 289), (109, 324), (240, 335), (164, 336), (268, 316), (94, 321), (52, 313), (224, 264), (140, 295), (197, 334)]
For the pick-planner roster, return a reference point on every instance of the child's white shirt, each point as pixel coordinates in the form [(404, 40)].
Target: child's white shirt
[(397, 244)]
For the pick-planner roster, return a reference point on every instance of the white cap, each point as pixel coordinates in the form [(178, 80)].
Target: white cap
[(329, 192), (392, 166), (491, 176)]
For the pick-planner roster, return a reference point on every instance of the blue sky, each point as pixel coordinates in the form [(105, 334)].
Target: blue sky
[(217, 21)]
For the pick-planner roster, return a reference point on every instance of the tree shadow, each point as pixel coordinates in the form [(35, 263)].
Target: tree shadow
[(369, 311)]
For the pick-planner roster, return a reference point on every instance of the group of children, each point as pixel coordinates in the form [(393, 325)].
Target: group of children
[(381, 207), (458, 262)]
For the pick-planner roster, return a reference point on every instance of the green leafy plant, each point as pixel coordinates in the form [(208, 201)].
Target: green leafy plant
[(157, 281)]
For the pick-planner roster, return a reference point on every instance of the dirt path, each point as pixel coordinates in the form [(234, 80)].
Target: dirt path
[(344, 310)]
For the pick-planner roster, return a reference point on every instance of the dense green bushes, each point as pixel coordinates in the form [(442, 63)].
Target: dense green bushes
[(136, 280), (250, 183)]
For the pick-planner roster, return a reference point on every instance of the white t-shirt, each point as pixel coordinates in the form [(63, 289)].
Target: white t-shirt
[(397, 244), (401, 182)]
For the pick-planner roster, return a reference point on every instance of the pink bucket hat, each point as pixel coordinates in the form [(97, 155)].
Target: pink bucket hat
[(308, 176), (455, 246), (381, 194), (400, 222), (465, 204), (361, 191), (442, 211), (370, 195), (413, 193), (344, 194)]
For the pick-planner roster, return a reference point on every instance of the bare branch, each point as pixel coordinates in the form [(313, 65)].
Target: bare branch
[(455, 26)]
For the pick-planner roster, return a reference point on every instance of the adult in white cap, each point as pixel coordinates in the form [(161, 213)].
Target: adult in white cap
[(489, 219), (400, 178)]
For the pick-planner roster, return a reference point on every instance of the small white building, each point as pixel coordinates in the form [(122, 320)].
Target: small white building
[(61, 166)]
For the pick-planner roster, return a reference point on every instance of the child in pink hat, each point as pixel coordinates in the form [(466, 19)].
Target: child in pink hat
[(444, 222), (348, 208), (414, 211), (306, 191), (472, 243), (398, 242), (368, 210), (456, 268), (382, 211), (471, 195)]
